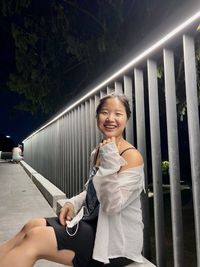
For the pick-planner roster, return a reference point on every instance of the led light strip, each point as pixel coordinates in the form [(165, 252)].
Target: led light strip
[(126, 67)]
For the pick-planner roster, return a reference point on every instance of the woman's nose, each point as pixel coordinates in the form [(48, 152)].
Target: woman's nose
[(110, 117)]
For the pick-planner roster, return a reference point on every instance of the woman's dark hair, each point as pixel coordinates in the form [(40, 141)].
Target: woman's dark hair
[(122, 98)]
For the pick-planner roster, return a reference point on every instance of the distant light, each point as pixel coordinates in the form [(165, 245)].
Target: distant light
[(7, 136), (125, 67)]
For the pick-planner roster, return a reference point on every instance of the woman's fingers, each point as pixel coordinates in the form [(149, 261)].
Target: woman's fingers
[(70, 214), (108, 140), (62, 216), (66, 213)]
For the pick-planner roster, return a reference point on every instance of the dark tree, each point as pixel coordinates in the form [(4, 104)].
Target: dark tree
[(61, 46)]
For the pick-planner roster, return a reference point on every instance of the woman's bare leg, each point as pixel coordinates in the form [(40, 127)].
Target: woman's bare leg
[(8, 245), (38, 243)]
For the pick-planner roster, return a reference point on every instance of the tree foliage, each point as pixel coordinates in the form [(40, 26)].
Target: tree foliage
[(61, 46), (58, 47)]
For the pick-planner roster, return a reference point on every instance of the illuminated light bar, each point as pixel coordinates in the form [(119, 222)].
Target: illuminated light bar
[(152, 48)]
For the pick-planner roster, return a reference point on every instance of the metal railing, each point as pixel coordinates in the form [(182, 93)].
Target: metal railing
[(60, 149)]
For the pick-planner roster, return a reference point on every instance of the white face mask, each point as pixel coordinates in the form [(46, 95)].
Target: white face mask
[(74, 221)]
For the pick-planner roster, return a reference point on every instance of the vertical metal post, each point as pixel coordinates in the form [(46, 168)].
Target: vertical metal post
[(87, 129), (83, 133), (60, 178), (70, 154), (64, 153), (102, 93), (141, 145), (61, 152), (48, 141), (128, 92), (76, 126), (174, 168), (56, 152), (98, 134), (79, 150), (67, 156), (92, 124), (54, 163), (109, 90), (118, 88), (193, 129), (156, 162)]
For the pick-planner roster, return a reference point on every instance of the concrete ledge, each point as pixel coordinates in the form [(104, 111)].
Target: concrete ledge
[(28, 169), (145, 264), (5, 155), (136, 264), (49, 190)]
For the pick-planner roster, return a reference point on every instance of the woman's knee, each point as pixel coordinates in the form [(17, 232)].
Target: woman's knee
[(33, 233), (32, 224)]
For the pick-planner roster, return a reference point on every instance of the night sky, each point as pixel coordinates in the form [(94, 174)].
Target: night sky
[(14, 123)]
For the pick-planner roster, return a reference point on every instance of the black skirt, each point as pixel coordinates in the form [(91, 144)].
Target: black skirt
[(82, 243)]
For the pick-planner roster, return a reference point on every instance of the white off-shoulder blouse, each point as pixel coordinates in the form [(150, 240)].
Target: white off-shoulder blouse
[(119, 227)]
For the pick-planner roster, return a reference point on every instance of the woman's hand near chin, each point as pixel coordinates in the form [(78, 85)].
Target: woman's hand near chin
[(107, 141)]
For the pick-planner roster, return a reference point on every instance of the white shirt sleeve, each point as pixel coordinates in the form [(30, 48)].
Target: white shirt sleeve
[(114, 189), (77, 201)]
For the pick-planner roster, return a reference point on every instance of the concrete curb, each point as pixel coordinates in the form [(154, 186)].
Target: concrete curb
[(28, 169), (52, 193)]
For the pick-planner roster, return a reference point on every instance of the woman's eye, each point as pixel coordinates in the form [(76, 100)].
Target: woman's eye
[(104, 112), (119, 114)]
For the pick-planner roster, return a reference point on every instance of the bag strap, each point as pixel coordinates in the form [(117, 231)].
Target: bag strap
[(96, 156)]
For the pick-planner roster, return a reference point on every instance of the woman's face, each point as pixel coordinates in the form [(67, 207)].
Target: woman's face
[(112, 118)]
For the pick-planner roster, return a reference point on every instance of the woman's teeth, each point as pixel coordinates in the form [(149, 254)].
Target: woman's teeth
[(110, 126)]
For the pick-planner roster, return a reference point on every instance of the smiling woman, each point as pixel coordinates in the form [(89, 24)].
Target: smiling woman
[(102, 226)]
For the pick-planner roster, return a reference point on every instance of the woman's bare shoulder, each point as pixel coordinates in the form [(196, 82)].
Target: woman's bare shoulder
[(131, 155)]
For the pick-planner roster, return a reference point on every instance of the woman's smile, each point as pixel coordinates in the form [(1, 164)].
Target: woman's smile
[(110, 127)]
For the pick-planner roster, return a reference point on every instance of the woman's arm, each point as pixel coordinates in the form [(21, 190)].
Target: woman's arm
[(77, 201)]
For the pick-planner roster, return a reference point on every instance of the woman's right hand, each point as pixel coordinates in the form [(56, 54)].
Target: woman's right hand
[(66, 213)]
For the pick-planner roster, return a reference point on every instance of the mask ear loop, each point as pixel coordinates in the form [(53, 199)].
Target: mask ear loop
[(74, 232), (79, 216)]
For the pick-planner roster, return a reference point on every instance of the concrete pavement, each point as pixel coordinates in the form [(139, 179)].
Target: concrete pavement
[(20, 200)]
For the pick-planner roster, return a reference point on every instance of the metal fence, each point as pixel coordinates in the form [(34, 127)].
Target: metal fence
[(60, 149)]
